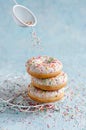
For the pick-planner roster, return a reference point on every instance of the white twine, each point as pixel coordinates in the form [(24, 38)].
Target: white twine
[(15, 2), (8, 104)]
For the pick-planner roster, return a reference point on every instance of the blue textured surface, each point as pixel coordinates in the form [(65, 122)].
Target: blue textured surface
[(62, 29)]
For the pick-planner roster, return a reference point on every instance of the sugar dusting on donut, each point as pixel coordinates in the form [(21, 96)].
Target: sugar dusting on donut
[(42, 93), (43, 64), (60, 79)]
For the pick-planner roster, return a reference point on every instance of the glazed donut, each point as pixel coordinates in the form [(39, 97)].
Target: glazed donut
[(43, 67), (54, 83), (42, 96)]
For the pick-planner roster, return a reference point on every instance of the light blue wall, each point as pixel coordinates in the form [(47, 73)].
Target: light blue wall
[(62, 29)]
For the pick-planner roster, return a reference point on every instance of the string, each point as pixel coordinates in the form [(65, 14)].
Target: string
[(15, 2)]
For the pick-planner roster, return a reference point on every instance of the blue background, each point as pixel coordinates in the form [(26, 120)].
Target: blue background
[(61, 27)]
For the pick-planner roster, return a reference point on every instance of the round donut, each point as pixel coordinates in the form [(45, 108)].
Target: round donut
[(43, 67), (49, 84), (42, 96)]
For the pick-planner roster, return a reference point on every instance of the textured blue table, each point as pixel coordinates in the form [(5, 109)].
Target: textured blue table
[(62, 29)]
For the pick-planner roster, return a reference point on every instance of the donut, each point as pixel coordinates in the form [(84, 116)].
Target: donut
[(44, 96), (54, 83), (43, 67)]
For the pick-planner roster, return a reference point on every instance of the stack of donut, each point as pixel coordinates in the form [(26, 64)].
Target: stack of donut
[(47, 79)]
